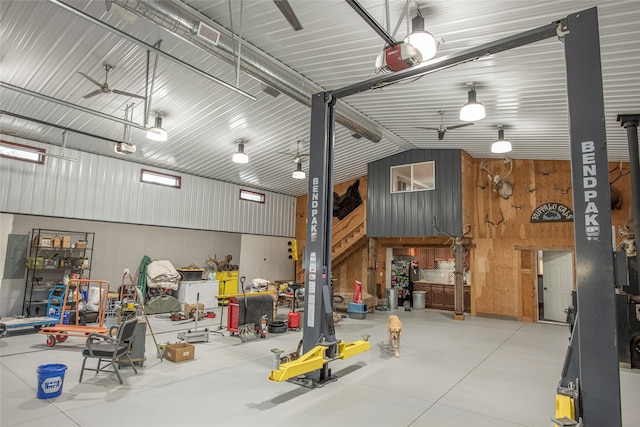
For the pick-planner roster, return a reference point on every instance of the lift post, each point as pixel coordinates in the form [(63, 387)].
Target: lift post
[(594, 352), (318, 320)]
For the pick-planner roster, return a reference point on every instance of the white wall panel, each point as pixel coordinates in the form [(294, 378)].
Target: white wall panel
[(106, 189)]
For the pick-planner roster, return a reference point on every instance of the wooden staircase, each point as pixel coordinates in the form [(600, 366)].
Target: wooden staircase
[(349, 235)]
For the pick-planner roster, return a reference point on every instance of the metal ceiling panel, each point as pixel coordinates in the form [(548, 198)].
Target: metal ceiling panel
[(44, 46)]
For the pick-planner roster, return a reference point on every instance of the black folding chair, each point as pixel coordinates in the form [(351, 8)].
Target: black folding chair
[(111, 348)]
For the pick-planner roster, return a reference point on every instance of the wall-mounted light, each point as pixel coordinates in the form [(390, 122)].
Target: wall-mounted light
[(472, 110), (157, 133), (240, 156), (420, 39), (501, 145), (298, 173)]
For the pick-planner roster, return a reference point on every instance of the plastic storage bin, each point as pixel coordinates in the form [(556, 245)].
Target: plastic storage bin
[(357, 311)]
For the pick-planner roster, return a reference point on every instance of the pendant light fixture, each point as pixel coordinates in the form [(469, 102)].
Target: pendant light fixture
[(472, 110), (421, 40), (240, 156), (501, 145), (298, 173), (157, 133)]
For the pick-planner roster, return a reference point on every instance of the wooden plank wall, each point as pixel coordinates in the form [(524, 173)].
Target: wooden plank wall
[(502, 257), (354, 267), (503, 281)]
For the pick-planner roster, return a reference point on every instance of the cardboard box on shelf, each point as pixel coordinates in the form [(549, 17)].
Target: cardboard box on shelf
[(179, 352), (66, 241)]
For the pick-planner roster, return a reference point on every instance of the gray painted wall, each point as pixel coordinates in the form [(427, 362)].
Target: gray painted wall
[(411, 214), (119, 246)]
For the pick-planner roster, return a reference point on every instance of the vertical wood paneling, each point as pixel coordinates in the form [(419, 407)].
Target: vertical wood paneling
[(101, 188), (499, 287)]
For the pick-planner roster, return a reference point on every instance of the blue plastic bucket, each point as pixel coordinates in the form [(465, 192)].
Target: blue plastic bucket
[(50, 379)]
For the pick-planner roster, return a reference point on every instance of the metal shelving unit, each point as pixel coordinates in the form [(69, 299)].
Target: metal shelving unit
[(51, 255)]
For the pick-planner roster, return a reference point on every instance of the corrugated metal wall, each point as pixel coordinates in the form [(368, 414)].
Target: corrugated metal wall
[(411, 214), (101, 188)]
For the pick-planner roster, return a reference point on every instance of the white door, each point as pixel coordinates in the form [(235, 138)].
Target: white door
[(557, 281)]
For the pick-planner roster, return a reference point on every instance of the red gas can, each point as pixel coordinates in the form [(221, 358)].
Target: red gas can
[(294, 320)]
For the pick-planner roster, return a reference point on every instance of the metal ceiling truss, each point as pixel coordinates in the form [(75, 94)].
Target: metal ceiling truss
[(183, 21)]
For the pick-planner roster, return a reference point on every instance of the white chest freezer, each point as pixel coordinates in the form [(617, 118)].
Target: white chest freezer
[(208, 289)]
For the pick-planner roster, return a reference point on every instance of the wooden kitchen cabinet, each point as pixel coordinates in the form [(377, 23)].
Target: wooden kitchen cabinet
[(427, 258), (404, 251), (467, 299), (444, 254), (442, 296), (449, 297), (437, 296)]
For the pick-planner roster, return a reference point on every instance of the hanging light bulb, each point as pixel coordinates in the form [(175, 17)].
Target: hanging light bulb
[(472, 110), (240, 156), (421, 40), (157, 133), (298, 173), (501, 145)]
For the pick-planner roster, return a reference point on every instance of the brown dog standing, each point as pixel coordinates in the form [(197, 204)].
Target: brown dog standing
[(394, 326)]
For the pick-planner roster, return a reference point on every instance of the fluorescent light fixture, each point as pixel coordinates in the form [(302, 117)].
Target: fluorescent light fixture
[(472, 110), (420, 39), (240, 156), (298, 173), (157, 133), (501, 145)]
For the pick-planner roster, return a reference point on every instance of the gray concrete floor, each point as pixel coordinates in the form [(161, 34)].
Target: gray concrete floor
[(476, 372)]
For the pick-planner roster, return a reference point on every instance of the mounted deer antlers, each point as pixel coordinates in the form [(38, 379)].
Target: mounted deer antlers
[(455, 240), (500, 184), (486, 219), (562, 190), (545, 173), (616, 197)]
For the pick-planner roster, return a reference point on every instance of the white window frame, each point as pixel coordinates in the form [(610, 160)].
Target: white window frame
[(413, 177), (158, 178), (25, 153), (252, 196)]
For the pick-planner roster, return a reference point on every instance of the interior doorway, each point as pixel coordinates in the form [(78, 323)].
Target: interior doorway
[(555, 284)]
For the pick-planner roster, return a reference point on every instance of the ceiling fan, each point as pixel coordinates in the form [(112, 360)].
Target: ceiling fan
[(297, 156), (104, 87), (287, 11), (443, 129)]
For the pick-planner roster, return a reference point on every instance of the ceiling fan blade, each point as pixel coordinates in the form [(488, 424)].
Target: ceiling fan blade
[(459, 126), (133, 95), (287, 11), (422, 127), (91, 79), (94, 93)]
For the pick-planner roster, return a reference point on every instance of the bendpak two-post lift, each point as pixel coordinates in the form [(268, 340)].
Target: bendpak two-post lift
[(596, 377)]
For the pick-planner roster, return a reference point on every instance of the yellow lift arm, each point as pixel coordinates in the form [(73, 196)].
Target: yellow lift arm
[(315, 359)]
